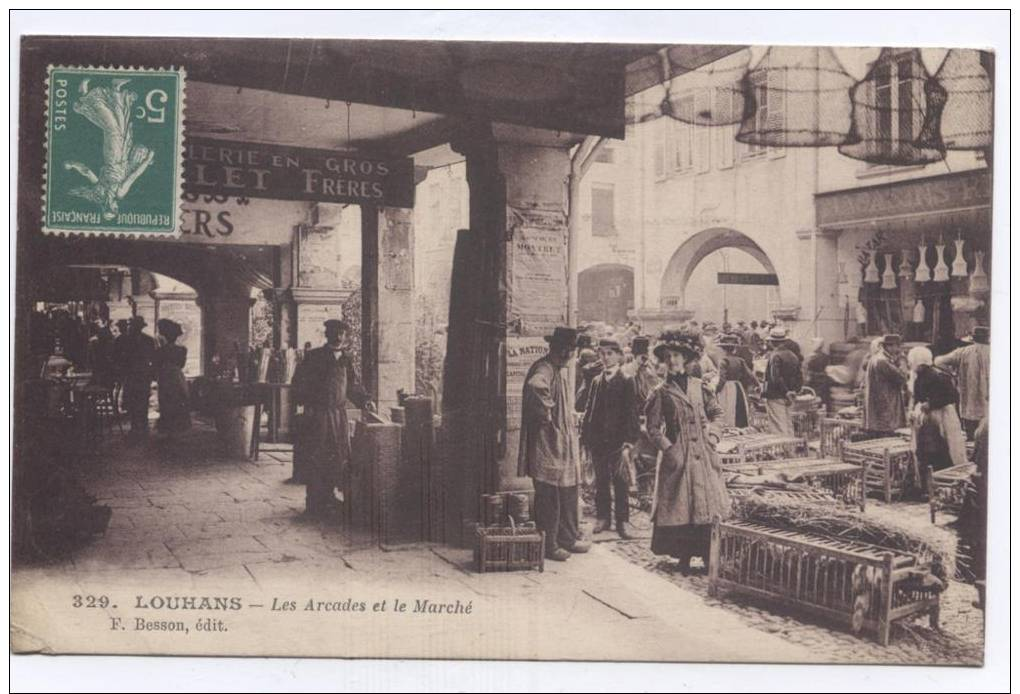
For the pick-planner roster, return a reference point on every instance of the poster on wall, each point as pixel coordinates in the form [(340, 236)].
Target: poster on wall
[(319, 259), (521, 353), (537, 270)]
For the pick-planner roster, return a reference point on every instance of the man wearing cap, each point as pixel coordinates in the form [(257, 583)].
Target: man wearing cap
[(548, 451), (139, 357), (610, 423), (885, 383), (324, 383), (971, 364), (782, 377)]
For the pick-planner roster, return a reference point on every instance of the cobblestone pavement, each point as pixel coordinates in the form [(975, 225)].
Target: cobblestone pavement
[(959, 642)]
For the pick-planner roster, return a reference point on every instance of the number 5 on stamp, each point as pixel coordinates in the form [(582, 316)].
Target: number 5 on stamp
[(114, 151)]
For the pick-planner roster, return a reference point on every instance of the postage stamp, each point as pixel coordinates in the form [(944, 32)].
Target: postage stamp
[(114, 159)]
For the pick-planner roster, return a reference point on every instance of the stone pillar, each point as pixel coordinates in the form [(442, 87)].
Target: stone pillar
[(536, 234), (509, 289), (387, 303), (828, 302)]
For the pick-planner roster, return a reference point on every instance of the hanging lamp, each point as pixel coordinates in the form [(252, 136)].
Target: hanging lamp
[(796, 96), (891, 105)]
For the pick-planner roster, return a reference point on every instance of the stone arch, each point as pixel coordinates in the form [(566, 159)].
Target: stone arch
[(605, 292), (695, 249)]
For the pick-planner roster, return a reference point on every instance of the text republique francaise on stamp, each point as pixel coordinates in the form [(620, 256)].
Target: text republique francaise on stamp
[(114, 159)]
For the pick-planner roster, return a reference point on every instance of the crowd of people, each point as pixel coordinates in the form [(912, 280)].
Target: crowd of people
[(660, 405), (124, 359)]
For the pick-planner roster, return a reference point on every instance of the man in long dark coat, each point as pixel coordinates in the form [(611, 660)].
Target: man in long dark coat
[(610, 423), (325, 382), (548, 450), (885, 408)]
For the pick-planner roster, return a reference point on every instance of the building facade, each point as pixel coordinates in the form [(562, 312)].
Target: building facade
[(673, 203)]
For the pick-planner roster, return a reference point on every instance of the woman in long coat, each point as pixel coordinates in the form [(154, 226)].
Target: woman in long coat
[(174, 409), (690, 490)]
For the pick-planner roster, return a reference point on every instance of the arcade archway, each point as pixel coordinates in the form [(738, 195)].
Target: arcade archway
[(676, 287)]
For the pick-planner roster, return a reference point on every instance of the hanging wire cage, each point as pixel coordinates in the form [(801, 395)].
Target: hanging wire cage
[(891, 105), (710, 95), (796, 96), (966, 118)]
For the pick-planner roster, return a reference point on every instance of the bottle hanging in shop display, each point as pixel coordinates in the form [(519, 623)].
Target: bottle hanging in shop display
[(871, 271), (941, 269), (905, 272), (979, 279), (888, 277), (919, 311), (923, 273), (959, 262)]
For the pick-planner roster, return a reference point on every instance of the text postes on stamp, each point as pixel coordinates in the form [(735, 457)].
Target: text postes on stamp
[(114, 156)]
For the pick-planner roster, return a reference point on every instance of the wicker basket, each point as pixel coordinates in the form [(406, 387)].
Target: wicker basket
[(509, 549)]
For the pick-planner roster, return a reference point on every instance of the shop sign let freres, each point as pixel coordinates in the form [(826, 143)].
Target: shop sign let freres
[(259, 170)]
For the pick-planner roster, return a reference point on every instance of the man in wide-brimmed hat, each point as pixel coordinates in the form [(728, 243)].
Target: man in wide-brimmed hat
[(971, 364), (324, 383), (548, 449), (782, 377)]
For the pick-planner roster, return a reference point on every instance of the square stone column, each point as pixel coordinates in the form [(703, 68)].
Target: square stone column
[(509, 289), (387, 303)]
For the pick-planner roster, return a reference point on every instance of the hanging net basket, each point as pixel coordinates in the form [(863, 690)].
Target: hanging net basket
[(897, 108), (796, 97), (710, 95), (967, 116)]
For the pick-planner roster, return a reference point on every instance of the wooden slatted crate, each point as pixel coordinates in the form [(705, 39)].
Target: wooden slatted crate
[(509, 549), (863, 586), (889, 465)]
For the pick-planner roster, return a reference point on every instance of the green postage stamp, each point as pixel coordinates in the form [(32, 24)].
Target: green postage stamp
[(114, 151)]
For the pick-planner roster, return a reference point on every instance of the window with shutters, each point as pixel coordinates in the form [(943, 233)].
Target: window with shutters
[(603, 214), (897, 94), (770, 117), (659, 147), (683, 138), (703, 134), (726, 135)]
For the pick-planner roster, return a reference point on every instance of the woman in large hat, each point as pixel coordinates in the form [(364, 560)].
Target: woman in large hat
[(174, 411), (735, 379), (690, 491)]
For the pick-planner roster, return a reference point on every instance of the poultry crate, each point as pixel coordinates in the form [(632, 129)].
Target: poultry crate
[(947, 488), (865, 587), (823, 479), (889, 465), (750, 448), (833, 432), (509, 549)]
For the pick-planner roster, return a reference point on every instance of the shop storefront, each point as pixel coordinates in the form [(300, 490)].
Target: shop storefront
[(913, 257)]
